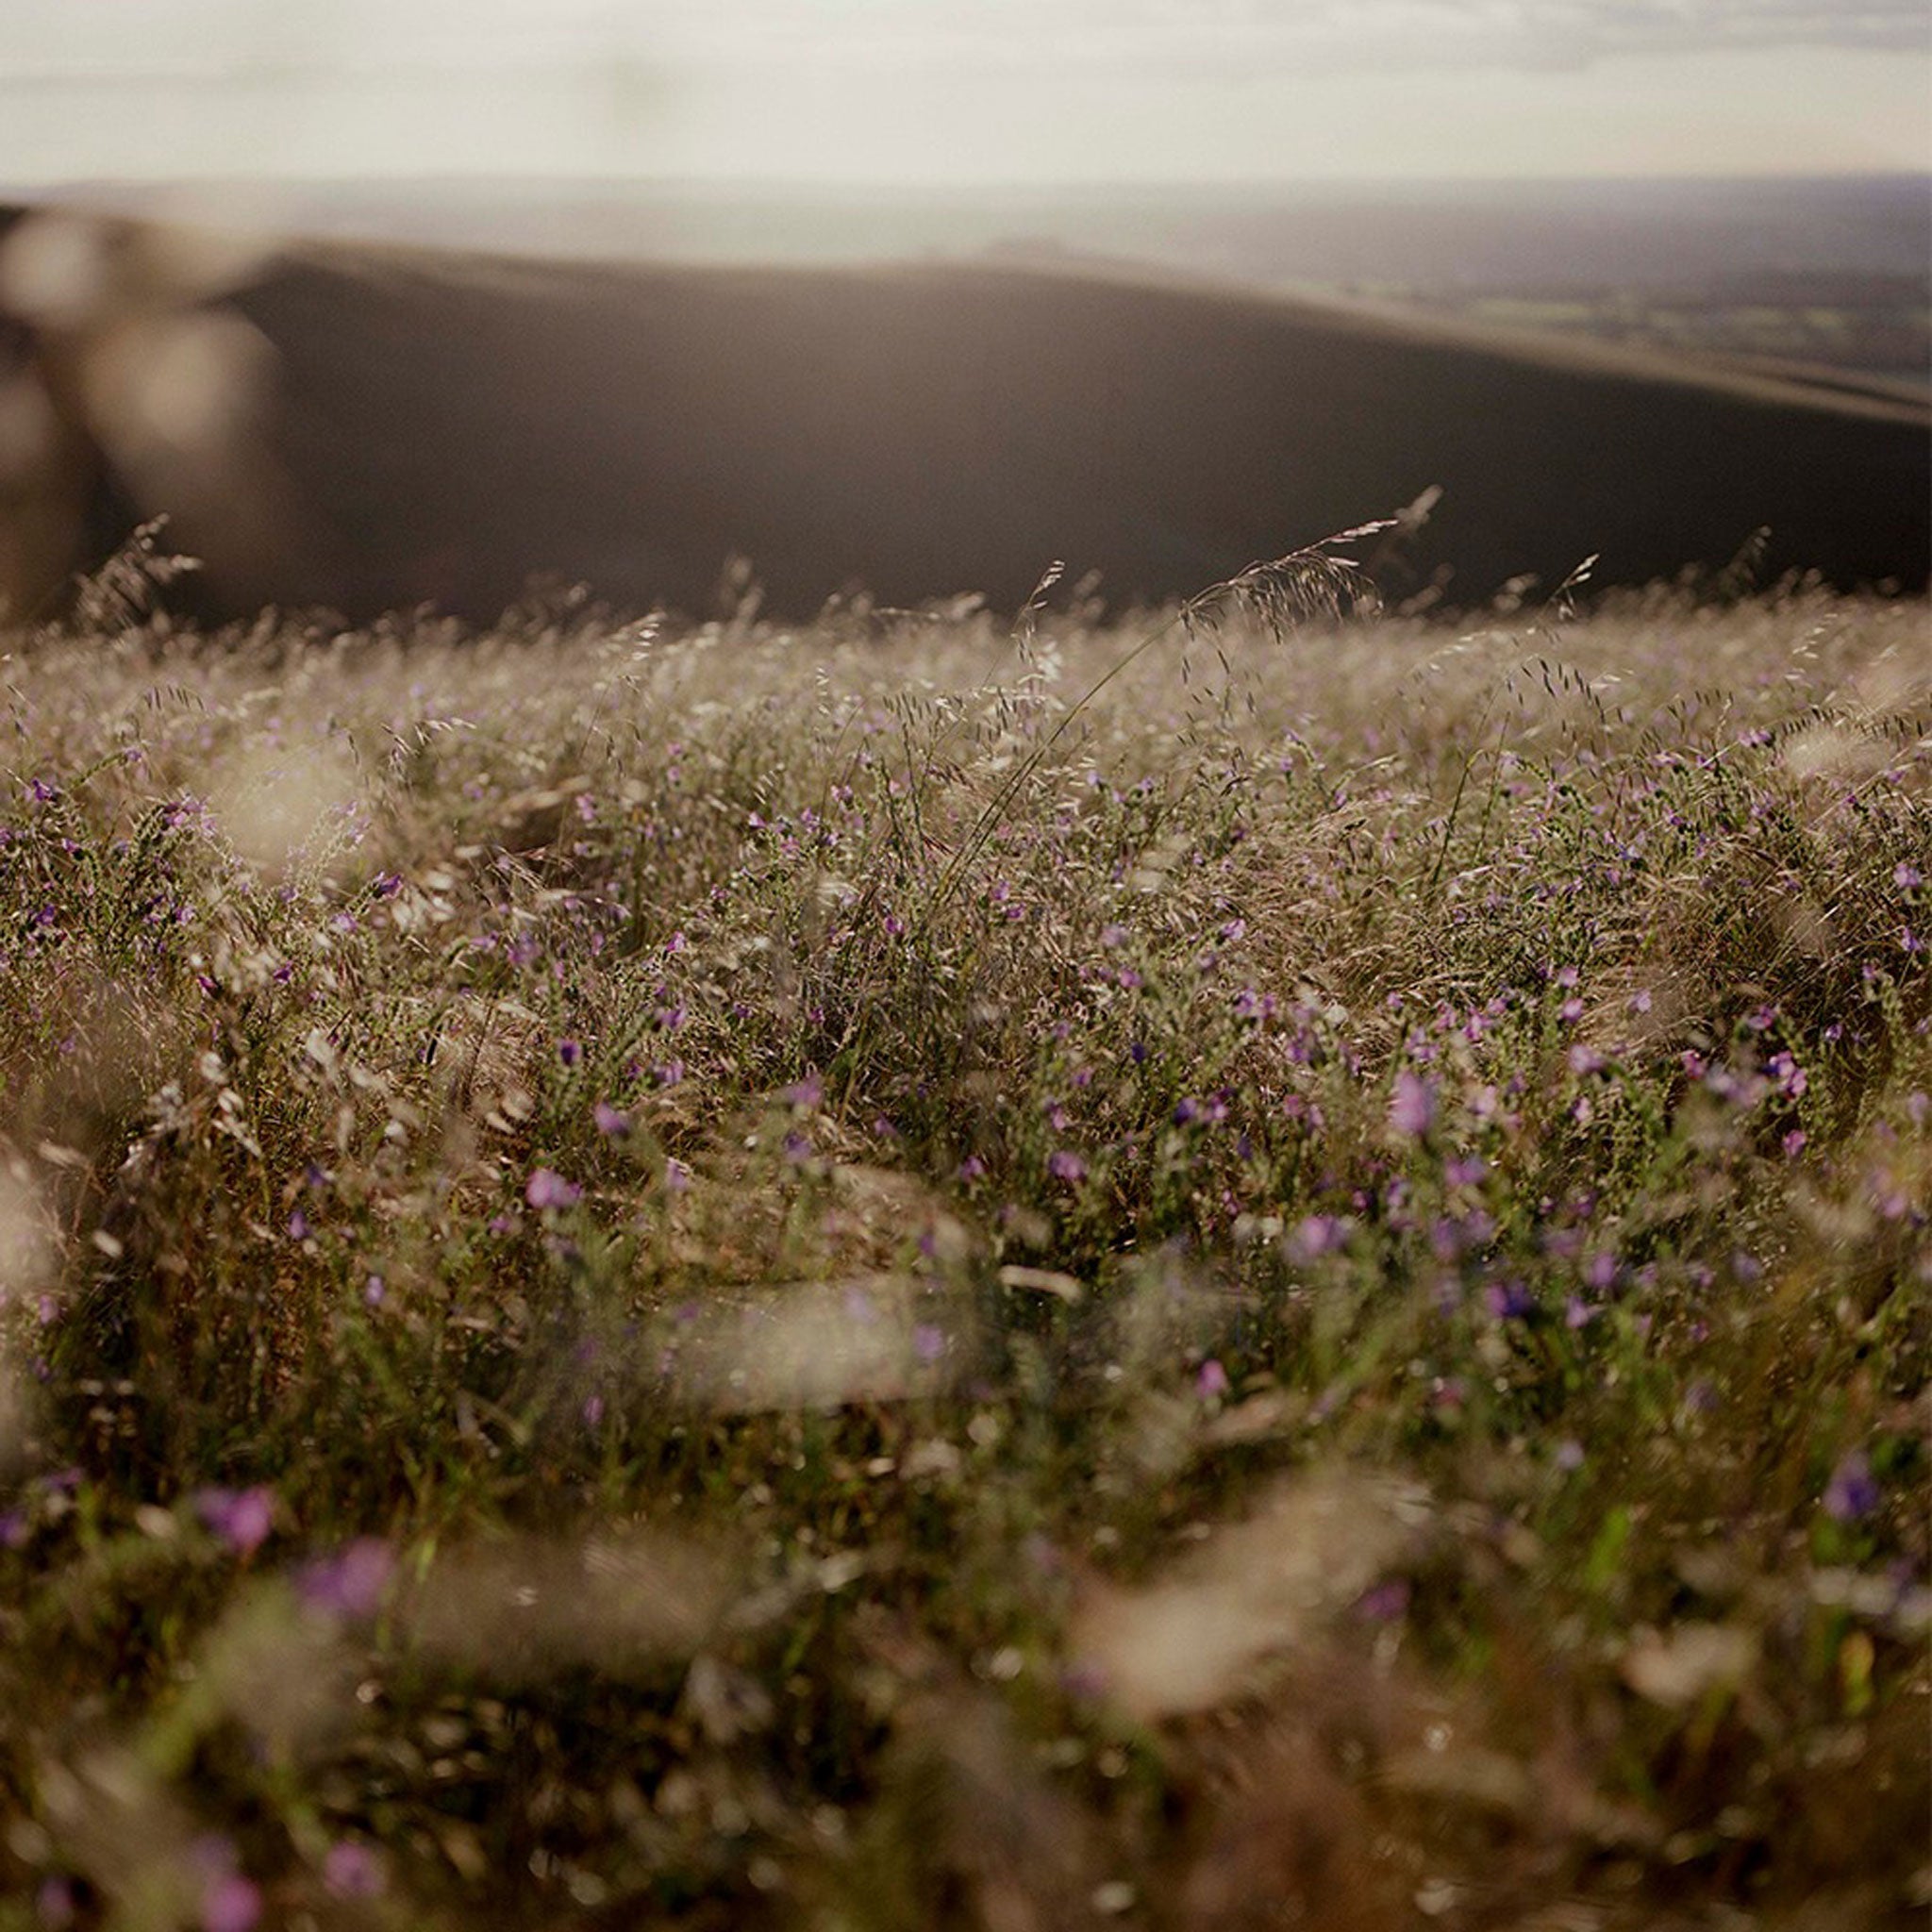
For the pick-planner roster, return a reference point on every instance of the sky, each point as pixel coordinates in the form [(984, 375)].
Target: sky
[(961, 92)]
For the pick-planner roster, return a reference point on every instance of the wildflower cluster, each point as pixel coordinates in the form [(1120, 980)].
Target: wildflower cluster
[(627, 1251)]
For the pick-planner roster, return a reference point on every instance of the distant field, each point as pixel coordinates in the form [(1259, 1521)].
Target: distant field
[(1867, 333), (1266, 1268), (367, 429)]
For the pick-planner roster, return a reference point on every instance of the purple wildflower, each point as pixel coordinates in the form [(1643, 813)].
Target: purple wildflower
[(240, 1518), (1320, 1234), (1386, 1603), (54, 1905), (1412, 1106), (231, 1903), (1852, 1492), (1510, 1301), (928, 1342), (351, 1582), (547, 1189), (612, 1121), (1064, 1165), (352, 1869), (569, 1052), (1211, 1380)]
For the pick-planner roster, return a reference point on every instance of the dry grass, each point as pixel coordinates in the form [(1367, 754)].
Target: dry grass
[(1264, 1270)]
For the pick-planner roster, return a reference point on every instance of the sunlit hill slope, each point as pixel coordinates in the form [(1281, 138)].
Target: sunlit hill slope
[(406, 426)]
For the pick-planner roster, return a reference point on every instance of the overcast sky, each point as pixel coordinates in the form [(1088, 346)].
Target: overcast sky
[(961, 90)]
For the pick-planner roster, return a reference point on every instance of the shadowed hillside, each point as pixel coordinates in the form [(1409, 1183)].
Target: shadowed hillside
[(443, 428)]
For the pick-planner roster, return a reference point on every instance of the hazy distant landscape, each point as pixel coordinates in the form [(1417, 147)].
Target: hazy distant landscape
[(911, 399), (1829, 270), (1444, 234)]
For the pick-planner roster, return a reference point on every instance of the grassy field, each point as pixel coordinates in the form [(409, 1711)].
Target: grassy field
[(1264, 1269)]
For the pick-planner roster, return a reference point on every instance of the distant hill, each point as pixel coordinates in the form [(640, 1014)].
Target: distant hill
[(434, 426)]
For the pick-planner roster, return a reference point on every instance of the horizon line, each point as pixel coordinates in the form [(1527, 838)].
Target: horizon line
[(748, 184)]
